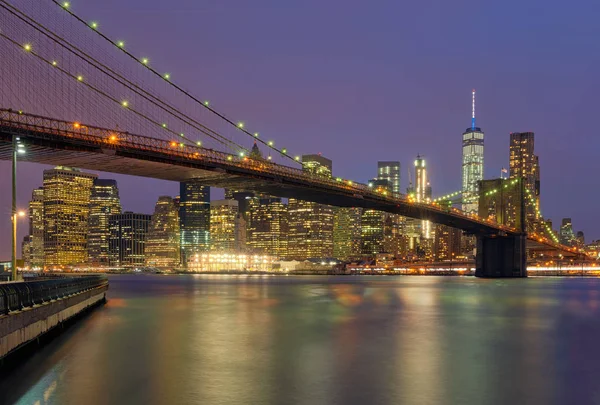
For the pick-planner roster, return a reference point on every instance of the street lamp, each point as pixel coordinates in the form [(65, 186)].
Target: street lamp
[(18, 148)]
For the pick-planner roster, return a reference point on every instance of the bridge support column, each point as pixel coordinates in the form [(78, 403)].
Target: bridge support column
[(501, 256)]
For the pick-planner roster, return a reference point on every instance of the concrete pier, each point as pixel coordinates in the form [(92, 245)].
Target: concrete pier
[(501, 256), (18, 328)]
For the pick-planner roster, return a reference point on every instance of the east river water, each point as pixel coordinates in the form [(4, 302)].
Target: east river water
[(323, 340)]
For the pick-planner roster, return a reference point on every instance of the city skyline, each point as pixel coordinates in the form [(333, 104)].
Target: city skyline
[(437, 115)]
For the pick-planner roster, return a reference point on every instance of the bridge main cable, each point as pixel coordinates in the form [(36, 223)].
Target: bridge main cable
[(120, 79), (254, 136)]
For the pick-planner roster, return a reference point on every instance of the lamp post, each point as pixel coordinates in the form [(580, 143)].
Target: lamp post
[(18, 147)]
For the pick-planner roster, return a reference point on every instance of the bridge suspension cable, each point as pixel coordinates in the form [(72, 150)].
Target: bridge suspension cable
[(111, 73), (204, 104)]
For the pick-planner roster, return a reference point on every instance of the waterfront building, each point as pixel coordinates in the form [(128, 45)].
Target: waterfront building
[(127, 242), (227, 226), (229, 261), (525, 164), (66, 208), (36, 229), (390, 171), (472, 164), (194, 218), (104, 202), (267, 226), (347, 233), (162, 248)]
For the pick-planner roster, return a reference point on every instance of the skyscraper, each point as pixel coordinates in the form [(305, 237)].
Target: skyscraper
[(373, 224), (447, 244), (318, 165), (310, 232), (567, 235), (310, 225), (66, 214), (390, 171), (104, 202), (525, 164), (127, 243), (36, 229), (225, 226), (194, 219), (162, 242), (347, 233), (472, 164), (267, 226)]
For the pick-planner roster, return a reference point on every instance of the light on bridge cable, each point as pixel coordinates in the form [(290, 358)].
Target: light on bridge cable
[(94, 25), (66, 4), (206, 103), (121, 44), (167, 76), (145, 61), (163, 125), (80, 78), (240, 125), (125, 103), (27, 47)]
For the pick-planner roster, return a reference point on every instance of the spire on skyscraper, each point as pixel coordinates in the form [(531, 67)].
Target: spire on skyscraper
[(473, 112)]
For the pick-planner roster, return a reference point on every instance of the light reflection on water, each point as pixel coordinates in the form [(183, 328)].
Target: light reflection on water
[(320, 340)]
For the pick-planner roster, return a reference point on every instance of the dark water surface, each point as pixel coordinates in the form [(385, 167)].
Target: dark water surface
[(319, 340)]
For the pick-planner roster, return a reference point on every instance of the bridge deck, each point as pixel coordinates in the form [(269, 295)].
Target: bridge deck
[(56, 142)]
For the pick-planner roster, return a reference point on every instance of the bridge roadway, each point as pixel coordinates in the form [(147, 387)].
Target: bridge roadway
[(63, 143)]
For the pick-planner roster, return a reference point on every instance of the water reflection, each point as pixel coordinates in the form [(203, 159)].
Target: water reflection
[(318, 340)]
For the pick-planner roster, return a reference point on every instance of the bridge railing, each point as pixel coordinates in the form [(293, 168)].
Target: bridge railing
[(19, 295), (113, 139)]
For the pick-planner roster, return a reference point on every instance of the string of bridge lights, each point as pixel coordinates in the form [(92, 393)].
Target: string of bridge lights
[(539, 213), (113, 75), (29, 49), (145, 62)]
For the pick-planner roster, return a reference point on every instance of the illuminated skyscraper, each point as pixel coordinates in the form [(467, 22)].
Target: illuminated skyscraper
[(163, 240), (194, 219), (347, 233), (472, 164), (390, 171), (310, 225), (447, 244), (567, 236), (373, 232), (318, 165), (36, 229), (310, 232), (525, 164), (226, 226), (66, 214), (127, 243), (267, 226), (104, 202)]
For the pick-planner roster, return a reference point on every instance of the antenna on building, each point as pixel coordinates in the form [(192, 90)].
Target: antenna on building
[(473, 112)]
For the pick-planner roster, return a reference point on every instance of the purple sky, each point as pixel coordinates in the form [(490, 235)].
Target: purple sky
[(364, 81)]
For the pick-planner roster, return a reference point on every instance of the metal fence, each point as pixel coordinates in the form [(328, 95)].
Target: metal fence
[(16, 296)]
